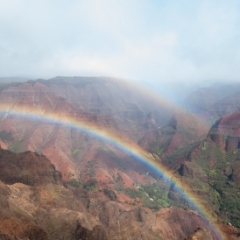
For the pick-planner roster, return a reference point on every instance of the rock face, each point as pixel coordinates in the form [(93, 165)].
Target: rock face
[(48, 210), (54, 141), (165, 216), (231, 232), (226, 132), (184, 128), (200, 234), (27, 168), (96, 234), (13, 228), (119, 99), (211, 167), (102, 102)]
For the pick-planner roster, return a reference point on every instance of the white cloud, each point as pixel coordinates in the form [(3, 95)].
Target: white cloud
[(169, 40)]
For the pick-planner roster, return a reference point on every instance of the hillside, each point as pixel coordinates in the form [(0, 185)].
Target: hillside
[(211, 167), (134, 109), (184, 128), (213, 102), (203, 98), (80, 125), (35, 204)]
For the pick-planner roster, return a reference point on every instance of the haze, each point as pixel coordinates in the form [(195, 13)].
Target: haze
[(151, 40)]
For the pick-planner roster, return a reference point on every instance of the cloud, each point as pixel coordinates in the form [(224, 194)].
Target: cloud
[(147, 40)]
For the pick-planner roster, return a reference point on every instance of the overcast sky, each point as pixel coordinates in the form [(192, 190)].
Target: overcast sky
[(135, 39)]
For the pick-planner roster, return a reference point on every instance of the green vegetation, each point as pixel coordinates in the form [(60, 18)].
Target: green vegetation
[(214, 177), (168, 131), (183, 152), (156, 149), (74, 183), (110, 193), (156, 196), (133, 193), (16, 147), (6, 136), (157, 236), (91, 168), (204, 147), (212, 173), (102, 146), (90, 185), (75, 152), (228, 199), (222, 193)]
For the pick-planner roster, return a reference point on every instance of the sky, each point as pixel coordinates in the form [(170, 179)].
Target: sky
[(145, 40)]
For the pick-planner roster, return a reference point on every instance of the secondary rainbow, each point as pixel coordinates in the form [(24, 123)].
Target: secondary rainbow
[(119, 142)]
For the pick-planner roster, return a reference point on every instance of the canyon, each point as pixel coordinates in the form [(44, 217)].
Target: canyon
[(58, 182)]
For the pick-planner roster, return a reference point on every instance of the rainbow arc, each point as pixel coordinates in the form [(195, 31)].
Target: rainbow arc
[(125, 145)]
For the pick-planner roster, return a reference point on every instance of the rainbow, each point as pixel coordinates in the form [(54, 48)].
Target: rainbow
[(114, 139)]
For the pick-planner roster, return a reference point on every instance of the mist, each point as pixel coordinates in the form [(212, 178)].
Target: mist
[(154, 41)]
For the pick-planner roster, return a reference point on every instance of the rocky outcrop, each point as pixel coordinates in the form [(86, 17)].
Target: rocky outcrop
[(28, 168), (187, 169), (58, 143), (231, 232), (13, 228), (73, 153), (190, 221), (226, 132), (4, 236), (200, 234), (48, 210), (184, 128), (111, 96), (97, 233), (233, 172)]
